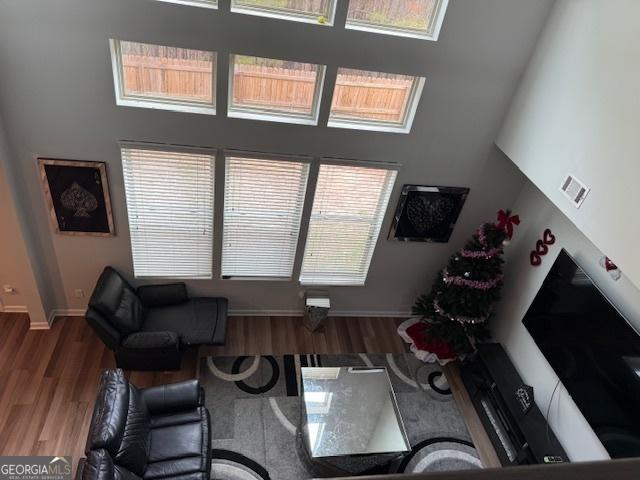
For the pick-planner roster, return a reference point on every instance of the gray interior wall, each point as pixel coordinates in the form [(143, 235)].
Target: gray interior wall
[(56, 94), (576, 112), (522, 282), (20, 267)]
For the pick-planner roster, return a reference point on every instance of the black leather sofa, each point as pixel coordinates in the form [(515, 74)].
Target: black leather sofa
[(150, 433), (148, 328)]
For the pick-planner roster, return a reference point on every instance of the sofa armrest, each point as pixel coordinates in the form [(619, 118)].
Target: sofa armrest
[(97, 466), (151, 340), (163, 295), (103, 328), (80, 470), (173, 397)]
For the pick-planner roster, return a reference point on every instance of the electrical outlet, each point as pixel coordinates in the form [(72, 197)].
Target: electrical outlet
[(79, 293), (8, 289)]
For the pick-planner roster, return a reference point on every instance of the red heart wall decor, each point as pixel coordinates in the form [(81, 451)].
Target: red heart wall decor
[(535, 256), (541, 248)]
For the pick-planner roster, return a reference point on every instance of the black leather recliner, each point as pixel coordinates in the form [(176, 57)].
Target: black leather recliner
[(147, 434), (149, 328)]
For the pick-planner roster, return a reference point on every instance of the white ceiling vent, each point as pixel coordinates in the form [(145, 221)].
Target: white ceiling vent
[(574, 190)]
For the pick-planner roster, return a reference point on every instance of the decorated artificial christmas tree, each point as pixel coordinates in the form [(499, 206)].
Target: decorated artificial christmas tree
[(455, 313)]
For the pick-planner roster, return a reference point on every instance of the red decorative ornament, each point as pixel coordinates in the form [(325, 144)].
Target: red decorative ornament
[(611, 268), (506, 221), (535, 256), (541, 248), (609, 265)]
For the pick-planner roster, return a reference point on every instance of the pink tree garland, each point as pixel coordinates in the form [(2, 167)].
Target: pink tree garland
[(465, 282)]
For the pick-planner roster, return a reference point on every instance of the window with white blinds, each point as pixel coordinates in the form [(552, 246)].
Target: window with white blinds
[(348, 209), (170, 206), (263, 202)]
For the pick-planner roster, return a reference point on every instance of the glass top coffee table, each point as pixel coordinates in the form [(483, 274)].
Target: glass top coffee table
[(350, 411)]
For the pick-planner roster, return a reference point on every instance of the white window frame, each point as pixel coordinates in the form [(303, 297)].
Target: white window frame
[(431, 34), (380, 125), (139, 101), (212, 4), (123, 145), (266, 157), (268, 115), (281, 15), (390, 167)]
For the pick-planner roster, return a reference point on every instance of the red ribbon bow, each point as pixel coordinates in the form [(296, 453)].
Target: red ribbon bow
[(506, 221)]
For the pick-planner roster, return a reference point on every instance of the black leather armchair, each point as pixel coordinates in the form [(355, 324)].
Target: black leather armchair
[(149, 328), (147, 434)]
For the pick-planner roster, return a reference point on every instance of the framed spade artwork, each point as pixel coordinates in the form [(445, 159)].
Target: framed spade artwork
[(427, 214), (77, 194)]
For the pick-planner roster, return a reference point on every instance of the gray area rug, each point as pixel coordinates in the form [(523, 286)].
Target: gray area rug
[(255, 414)]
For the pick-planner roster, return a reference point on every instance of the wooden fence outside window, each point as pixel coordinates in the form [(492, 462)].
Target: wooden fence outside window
[(383, 98)]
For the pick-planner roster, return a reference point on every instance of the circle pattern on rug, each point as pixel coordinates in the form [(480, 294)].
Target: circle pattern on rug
[(431, 387), (228, 465), (238, 376), (441, 454), (433, 376), (282, 418), (391, 361), (275, 375)]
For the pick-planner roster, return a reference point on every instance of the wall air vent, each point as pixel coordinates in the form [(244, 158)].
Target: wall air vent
[(574, 190)]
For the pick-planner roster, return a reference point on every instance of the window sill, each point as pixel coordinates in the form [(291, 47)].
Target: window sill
[(173, 107), (256, 279), (193, 3), (331, 284), (391, 31), (173, 277), (269, 117), (281, 16), (369, 127)]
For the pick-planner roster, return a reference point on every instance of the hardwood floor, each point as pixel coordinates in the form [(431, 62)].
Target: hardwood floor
[(282, 335), (48, 383), (48, 378)]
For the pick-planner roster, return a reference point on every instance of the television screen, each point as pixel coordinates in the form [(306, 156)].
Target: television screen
[(594, 351)]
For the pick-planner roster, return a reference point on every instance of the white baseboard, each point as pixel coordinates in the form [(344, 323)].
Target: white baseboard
[(332, 313), (22, 309), (264, 313), (14, 309), (39, 326), (79, 312), (66, 312), (371, 313)]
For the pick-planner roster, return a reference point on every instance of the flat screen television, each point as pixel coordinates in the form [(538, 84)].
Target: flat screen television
[(594, 351)]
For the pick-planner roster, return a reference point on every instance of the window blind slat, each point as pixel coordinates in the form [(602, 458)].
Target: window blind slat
[(170, 210), (347, 214), (263, 203)]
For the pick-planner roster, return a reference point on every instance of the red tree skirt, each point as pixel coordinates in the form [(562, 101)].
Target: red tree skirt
[(416, 333)]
